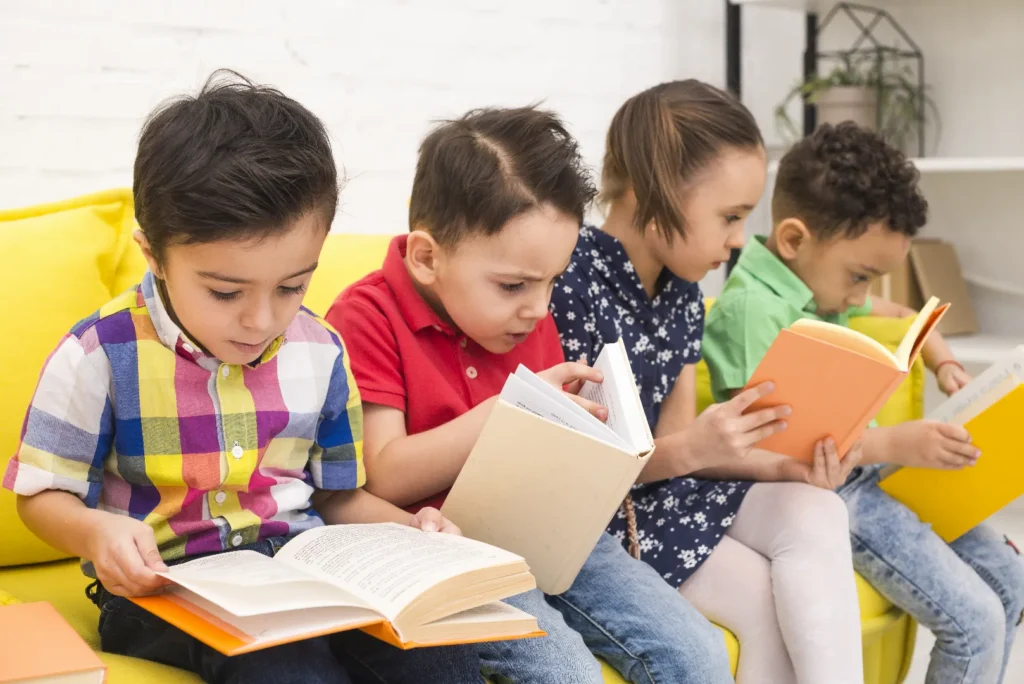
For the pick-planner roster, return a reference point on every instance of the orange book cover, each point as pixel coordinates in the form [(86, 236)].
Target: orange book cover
[(40, 647), (834, 379)]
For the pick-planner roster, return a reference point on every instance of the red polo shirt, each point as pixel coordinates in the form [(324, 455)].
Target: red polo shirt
[(404, 356)]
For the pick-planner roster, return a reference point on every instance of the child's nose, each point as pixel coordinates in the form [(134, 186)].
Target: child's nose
[(259, 316)]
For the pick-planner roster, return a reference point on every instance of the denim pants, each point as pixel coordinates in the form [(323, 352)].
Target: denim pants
[(969, 594), (343, 658), (621, 610)]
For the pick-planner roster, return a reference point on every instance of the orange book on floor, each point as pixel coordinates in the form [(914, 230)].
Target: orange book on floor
[(403, 586), (835, 380), (40, 647)]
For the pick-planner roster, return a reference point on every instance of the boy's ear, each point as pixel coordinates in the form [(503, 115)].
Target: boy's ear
[(791, 235), (147, 252), (421, 256)]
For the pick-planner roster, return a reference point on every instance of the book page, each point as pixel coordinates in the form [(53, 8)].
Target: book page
[(923, 324), (247, 583), (957, 409), (845, 338), (527, 391), (619, 395), (389, 565)]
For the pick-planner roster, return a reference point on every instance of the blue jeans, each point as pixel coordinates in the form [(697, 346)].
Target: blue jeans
[(341, 658), (969, 594), (621, 610)]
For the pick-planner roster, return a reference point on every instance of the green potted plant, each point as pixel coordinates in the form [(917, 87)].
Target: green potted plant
[(865, 89)]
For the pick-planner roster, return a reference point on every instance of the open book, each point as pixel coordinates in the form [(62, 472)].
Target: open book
[(955, 501), (835, 380), (546, 477), (403, 586)]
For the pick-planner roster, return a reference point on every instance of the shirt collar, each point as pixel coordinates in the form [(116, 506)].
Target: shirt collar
[(760, 264), (173, 337), (418, 314)]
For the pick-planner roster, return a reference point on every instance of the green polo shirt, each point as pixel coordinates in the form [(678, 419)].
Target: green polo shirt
[(761, 297)]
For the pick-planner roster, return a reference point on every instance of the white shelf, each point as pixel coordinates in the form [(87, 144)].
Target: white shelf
[(981, 349), (957, 165), (969, 164)]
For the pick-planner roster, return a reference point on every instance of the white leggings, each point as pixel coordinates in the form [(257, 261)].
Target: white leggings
[(782, 581)]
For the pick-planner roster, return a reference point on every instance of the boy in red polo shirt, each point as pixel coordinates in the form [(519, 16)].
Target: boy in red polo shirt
[(460, 302)]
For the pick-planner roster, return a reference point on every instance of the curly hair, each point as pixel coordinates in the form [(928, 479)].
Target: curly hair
[(841, 179)]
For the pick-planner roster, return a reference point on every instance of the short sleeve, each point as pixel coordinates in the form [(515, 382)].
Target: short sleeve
[(737, 336), (373, 349), (69, 428), (575, 320), (336, 459)]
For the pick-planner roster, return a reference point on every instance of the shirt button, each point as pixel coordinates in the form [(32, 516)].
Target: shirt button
[(463, 342), (437, 328), (236, 540), (188, 347), (471, 373), (225, 371), (221, 497), (237, 451)]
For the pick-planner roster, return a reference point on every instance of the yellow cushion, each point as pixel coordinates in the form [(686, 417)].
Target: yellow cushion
[(344, 260), (66, 259)]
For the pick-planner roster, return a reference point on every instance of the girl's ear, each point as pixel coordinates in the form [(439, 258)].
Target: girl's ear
[(422, 254), (147, 252), (791, 236)]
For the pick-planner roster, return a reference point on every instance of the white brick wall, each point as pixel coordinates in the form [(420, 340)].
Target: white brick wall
[(77, 78)]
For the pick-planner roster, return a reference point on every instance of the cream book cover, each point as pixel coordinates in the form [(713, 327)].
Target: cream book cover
[(546, 477)]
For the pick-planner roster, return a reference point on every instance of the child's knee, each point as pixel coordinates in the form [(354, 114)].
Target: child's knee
[(818, 515)]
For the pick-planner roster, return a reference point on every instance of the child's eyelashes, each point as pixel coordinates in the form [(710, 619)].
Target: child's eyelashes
[(224, 296), (513, 287), (858, 278), (282, 290), (733, 218), (297, 290)]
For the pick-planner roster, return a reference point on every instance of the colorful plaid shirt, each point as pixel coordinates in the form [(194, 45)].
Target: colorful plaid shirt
[(131, 416)]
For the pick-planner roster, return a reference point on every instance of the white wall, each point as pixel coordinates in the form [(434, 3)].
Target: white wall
[(77, 78)]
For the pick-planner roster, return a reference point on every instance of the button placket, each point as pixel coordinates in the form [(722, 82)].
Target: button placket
[(235, 403)]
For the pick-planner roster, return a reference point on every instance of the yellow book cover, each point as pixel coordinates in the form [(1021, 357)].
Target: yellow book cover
[(955, 501)]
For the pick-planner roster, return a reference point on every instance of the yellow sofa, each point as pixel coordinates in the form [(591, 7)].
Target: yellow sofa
[(62, 261)]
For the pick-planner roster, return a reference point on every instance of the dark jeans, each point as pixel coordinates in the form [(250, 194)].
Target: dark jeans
[(343, 658)]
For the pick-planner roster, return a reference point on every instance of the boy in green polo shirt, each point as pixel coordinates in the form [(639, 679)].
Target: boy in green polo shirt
[(844, 210)]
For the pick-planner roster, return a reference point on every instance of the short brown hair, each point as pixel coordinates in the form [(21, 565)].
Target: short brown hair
[(476, 173), (235, 160), (843, 178), (662, 138)]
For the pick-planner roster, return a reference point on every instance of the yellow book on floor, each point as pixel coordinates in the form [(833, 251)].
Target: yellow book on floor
[(955, 501)]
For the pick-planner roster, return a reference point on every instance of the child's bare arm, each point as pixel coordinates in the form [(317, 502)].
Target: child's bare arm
[(122, 550), (403, 468), (357, 506)]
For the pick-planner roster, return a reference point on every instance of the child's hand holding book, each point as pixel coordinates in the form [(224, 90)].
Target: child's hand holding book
[(922, 444), (430, 520), (570, 378), (723, 433), (124, 553), (825, 470)]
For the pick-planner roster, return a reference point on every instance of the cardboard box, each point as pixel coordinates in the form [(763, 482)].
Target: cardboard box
[(931, 270)]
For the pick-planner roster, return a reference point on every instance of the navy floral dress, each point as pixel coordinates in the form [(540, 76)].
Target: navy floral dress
[(599, 299)]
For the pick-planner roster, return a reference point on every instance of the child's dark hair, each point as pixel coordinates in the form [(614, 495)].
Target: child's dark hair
[(476, 173), (841, 179), (660, 141), (237, 160)]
